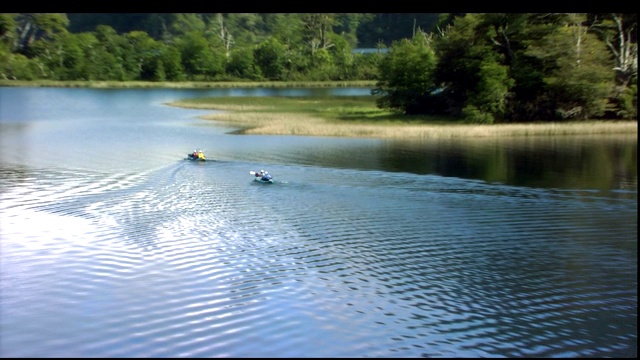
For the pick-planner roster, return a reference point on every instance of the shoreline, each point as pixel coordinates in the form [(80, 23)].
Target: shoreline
[(422, 132), (183, 84), (260, 123), (257, 123)]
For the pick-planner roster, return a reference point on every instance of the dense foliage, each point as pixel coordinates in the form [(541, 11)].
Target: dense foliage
[(195, 47), (487, 68), (516, 68)]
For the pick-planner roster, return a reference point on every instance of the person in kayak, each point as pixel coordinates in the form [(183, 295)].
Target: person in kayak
[(194, 154), (264, 175)]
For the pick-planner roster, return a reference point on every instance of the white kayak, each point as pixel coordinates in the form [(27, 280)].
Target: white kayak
[(263, 177)]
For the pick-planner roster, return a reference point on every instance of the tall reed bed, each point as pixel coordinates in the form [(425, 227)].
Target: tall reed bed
[(359, 117)]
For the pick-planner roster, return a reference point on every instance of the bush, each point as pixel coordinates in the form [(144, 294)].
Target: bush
[(473, 115), (17, 67), (629, 103)]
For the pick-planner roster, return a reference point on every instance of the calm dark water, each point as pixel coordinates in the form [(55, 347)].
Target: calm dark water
[(113, 245)]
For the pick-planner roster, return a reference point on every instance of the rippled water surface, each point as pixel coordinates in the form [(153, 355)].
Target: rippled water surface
[(113, 245)]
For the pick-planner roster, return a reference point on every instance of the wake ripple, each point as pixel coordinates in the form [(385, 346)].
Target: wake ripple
[(197, 260)]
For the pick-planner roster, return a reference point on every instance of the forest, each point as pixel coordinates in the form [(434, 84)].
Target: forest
[(482, 67)]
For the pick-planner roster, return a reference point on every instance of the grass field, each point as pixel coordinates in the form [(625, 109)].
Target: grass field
[(359, 117)]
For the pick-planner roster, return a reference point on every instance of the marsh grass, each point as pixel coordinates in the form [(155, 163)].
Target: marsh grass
[(358, 116)]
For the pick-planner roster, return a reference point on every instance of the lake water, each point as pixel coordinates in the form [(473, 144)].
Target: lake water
[(113, 245)]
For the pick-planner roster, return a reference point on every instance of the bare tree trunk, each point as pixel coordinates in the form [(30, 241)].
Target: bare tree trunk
[(26, 35), (577, 21), (625, 52), (578, 42), (318, 26), (225, 36)]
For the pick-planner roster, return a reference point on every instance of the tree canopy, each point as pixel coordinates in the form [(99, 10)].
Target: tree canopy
[(518, 67), (485, 68)]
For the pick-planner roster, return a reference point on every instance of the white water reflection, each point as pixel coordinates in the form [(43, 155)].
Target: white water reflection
[(362, 248)]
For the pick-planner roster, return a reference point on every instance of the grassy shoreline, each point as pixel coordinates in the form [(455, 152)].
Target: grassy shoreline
[(344, 117), (360, 119), (258, 124)]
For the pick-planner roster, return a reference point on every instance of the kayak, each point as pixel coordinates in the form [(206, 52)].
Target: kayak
[(199, 155), (266, 178), (196, 158)]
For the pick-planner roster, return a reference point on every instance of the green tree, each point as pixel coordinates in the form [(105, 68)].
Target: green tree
[(270, 56), (146, 52), (86, 65), (316, 31), (32, 27), (8, 28), (297, 65), (486, 71), (73, 62), (366, 66), (244, 29), (16, 66), (460, 52), (577, 71), (343, 58), (184, 24), (171, 63), (159, 73), (106, 66), (61, 57), (619, 31), (242, 65), (286, 28), (115, 57), (198, 59), (488, 101), (406, 76), (347, 25), (322, 66)]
